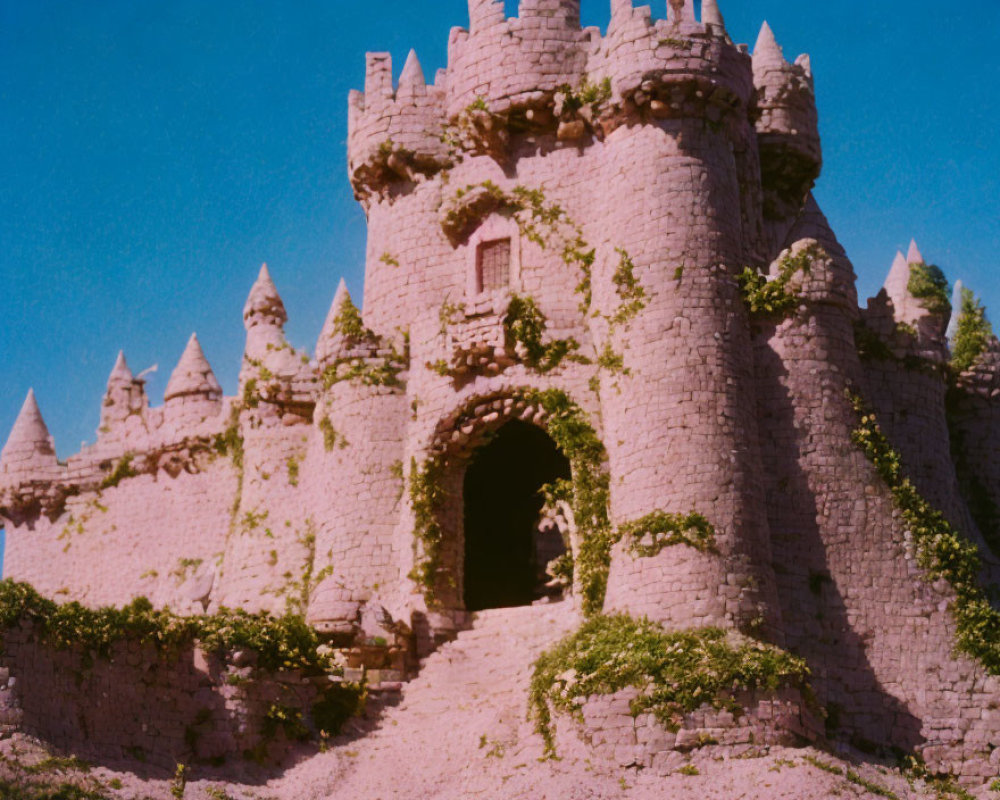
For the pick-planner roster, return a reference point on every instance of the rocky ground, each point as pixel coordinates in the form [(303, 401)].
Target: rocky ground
[(461, 731)]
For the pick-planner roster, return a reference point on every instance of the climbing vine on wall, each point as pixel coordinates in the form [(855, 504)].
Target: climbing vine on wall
[(426, 497), (652, 533), (677, 672), (525, 324), (941, 550), (772, 298)]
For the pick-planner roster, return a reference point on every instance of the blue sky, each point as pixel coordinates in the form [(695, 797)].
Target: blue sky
[(154, 153)]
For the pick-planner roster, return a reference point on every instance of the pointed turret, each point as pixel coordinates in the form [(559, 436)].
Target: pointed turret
[(767, 50), (412, 83), (913, 256), (956, 312), (30, 451), (333, 340), (193, 375), (711, 17), (264, 306), (124, 397)]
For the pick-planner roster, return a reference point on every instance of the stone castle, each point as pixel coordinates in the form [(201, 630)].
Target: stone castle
[(610, 350)]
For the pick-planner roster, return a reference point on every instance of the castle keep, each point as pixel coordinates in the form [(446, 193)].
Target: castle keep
[(571, 378)]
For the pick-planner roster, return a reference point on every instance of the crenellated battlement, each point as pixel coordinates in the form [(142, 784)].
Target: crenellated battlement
[(395, 134)]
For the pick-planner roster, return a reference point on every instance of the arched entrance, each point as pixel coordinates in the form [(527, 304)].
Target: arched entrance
[(505, 552)]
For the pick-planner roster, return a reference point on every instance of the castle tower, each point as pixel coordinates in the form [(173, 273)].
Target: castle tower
[(787, 132), (29, 454), (918, 303), (680, 436)]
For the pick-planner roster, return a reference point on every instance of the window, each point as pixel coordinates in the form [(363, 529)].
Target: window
[(493, 265)]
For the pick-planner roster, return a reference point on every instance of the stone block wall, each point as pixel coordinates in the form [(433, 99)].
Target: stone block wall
[(139, 704)]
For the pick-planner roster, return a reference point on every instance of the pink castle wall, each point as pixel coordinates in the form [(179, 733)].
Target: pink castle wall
[(698, 163)]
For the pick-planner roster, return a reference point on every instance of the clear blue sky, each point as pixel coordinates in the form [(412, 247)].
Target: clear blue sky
[(154, 153)]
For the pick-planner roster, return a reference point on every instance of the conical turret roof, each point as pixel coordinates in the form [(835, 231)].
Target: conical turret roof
[(411, 80), (767, 50), (120, 373), (914, 256), (29, 446), (711, 15), (264, 304), (193, 374)]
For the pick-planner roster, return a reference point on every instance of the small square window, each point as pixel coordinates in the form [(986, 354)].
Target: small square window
[(493, 265)]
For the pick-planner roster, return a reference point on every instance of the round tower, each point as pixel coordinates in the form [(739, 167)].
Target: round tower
[(680, 429)]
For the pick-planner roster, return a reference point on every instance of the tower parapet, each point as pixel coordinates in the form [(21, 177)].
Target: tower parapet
[(787, 127), (124, 400), (395, 135)]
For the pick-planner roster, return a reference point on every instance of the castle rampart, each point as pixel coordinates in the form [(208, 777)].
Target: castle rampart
[(601, 253)]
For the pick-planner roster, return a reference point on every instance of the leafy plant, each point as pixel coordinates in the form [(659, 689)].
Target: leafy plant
[(122, 470), (942, 551), (973, 334), (525, 324), (771, 298), (677, 672), (650, 534), (929, 285)]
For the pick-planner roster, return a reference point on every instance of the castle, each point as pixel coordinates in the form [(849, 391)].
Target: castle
[(557, 303)]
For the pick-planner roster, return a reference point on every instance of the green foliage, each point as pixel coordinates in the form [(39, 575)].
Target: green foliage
[(567, 424), (544, 223), (667, 530), (689, 769), (973, 334), (525, 324), (11, 790), (678, 672), (292, 465), (331, 438), (337, 705), (348, 322), (280, 643), (369, 372), (287, 719), (588, 94), (630, 291), (179, 783), (122, 470), (929, 285), (942, 551), (426, 497), (389, 260), (772, 298), (612, 361), (229, 443), (870, 345)]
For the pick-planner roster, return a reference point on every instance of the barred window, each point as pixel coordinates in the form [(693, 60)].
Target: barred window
[(493, 265)]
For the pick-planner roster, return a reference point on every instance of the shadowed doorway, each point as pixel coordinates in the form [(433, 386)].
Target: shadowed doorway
[(505, 554)]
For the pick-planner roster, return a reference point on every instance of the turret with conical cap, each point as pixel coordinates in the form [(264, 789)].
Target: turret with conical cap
[(193, 376), (333, 339), (29, 453)]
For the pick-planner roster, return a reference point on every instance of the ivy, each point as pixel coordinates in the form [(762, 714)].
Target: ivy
[(426, 498), (630, 291), (348, 322), (567, 424), (929, 285), (280, 643), (677, 672), (652, 533), (525, 324), (369, 372), (538, 220), (772, 298), (331, 438), (973, 335), (941, 551), (122, 470)]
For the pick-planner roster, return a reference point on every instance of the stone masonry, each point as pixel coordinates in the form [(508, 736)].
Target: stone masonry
[(622, 182)]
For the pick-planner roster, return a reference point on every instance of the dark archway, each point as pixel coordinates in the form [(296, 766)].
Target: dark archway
[(505, 555)]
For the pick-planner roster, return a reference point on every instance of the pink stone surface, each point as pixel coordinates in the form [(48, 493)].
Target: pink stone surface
[(700, 162)]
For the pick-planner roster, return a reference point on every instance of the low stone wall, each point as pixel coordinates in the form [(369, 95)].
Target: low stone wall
[(137, 703), (768, 718)]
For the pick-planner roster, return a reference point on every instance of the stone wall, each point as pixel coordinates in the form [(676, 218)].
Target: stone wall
[(139, 704)]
